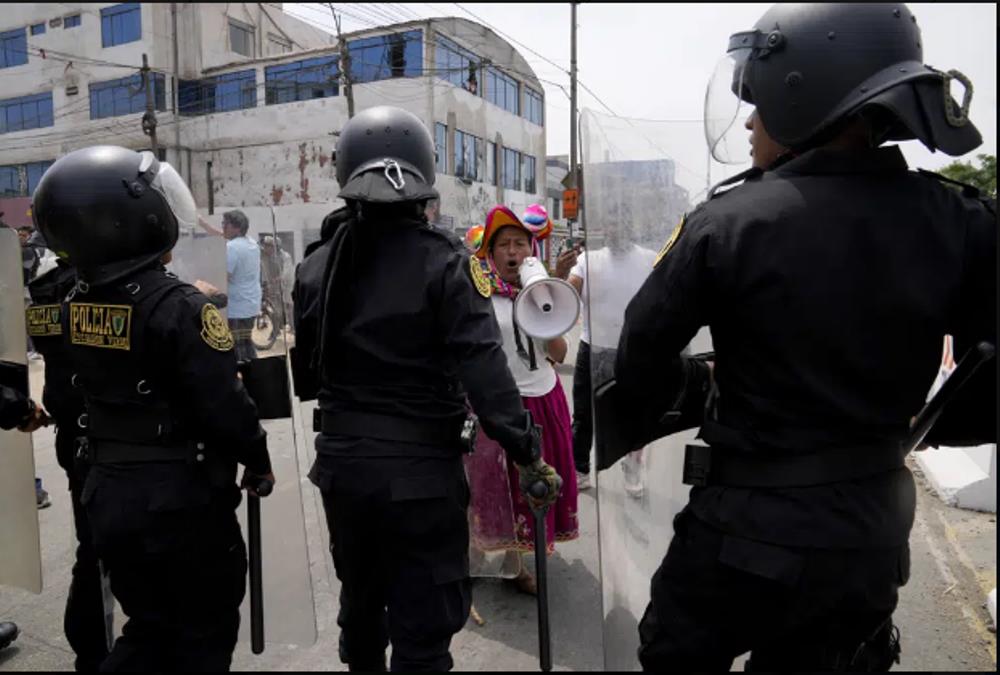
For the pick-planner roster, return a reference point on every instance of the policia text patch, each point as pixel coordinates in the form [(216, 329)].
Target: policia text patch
[(108, 326), (44, 320)]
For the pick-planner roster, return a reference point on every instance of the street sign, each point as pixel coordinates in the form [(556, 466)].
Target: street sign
[(570, 203)]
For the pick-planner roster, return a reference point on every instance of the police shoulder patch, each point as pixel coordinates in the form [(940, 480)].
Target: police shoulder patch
[(214, 329), (670, 242), (479, 277), (44, 320)]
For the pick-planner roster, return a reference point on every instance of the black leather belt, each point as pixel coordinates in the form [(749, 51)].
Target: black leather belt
[(389, 427), (99, 451), (704, 466)]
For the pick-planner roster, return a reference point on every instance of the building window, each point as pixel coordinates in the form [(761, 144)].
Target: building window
[(441, 147), (125, 96), (491, 162), (120, 24), (13, 48), (35, 170), (467, 151), (222, 93), (241, 38), (387, 56), (279, 45), (38, 29), (511, 169), (71, 21), (10, 181), (458, 66), (26, 112), (529, 174), (533, 107), (20, 180), (502, 91), (555, 210), (302, 80)]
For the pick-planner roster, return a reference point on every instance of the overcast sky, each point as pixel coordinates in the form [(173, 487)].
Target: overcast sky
[(654, 61)]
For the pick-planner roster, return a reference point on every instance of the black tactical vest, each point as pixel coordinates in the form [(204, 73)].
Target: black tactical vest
[(123, 381)]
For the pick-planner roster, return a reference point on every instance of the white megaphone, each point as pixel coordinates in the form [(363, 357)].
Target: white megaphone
[(545, 308)]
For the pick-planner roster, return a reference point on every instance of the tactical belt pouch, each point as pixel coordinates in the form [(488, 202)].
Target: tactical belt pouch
[(705, 466), (446, 433)]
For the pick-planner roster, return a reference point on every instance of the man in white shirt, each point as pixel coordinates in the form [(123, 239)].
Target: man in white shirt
[(606, 280)]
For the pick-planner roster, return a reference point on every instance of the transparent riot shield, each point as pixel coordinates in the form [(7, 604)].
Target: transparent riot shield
[(20, 552), (640, 178), (288, 606)]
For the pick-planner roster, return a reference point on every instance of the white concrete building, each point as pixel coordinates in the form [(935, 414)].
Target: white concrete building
[(249, 101)]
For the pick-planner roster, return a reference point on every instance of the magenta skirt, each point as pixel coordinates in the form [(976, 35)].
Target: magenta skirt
[(499, 516)]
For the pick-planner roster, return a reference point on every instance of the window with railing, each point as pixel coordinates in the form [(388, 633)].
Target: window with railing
[(120, 24), (125, 96), (387, 56), (26, 112), (221, 93), (302, 80), (457, 65)]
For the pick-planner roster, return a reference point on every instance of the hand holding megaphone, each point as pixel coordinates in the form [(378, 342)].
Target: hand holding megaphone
[(545, 308)]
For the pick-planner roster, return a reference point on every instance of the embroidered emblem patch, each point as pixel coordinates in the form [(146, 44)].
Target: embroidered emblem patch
[(44, 320), (479, 277), (107, 326), (670, 242), (214, 329)]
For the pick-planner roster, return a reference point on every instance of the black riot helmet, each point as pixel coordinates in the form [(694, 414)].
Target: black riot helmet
[(809, 66), (109, 211), (385, 155)]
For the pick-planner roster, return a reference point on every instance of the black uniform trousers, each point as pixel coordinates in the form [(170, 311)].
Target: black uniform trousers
[(84, 617), (716, 596), (399, 536), (176, 560)]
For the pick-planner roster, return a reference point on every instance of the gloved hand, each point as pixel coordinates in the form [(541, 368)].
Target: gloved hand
[(539, 471)]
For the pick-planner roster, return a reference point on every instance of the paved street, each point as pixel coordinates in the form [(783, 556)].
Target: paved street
[(941, 615)]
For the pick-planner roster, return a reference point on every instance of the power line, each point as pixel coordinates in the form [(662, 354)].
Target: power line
[(515, 41)]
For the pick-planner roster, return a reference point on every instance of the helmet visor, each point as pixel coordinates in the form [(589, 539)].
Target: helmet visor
[(176, 193), (726, 111)]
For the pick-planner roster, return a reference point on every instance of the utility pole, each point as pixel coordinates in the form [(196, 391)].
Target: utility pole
[(573, 178), (149, 117), (345, 64)]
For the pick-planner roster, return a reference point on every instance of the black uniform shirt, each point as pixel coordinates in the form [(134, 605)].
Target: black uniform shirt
[(407, 329), (828, 284)]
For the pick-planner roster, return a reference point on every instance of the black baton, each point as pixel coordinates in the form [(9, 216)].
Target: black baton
[(930, 413), (263, 488), (539, 490)]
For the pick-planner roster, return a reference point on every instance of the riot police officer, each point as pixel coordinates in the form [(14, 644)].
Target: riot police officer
[(828, 277), (84, 619), (165, 417), (402, 323)]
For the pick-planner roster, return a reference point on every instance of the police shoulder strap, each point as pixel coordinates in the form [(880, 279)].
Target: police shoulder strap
[(968, 190)]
